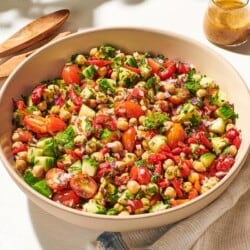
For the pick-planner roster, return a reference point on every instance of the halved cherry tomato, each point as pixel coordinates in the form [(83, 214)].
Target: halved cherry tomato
[(54, 124), (83, 185), (35, 123), (76, 99), (155, 66), (57, 179), (175, 134), (168, 72), (141, 174), (128, 139), (67, 198), (71, 74), (129, 109)]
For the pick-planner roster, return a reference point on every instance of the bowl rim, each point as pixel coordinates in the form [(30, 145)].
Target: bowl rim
[(234, 170)]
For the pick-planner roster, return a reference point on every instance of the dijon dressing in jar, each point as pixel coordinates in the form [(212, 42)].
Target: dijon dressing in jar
[(227, 22)]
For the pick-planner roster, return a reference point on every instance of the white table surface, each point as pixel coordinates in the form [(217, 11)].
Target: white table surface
[(24, 226)]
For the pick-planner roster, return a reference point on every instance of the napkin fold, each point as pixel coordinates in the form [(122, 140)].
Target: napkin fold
[(185, 233)]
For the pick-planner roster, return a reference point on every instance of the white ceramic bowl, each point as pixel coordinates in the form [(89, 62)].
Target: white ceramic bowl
[(47, 64)]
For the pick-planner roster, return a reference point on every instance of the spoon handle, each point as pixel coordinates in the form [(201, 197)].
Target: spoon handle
[(8, 66)]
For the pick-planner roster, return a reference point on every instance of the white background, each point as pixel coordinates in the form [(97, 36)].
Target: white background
[(24, 226)]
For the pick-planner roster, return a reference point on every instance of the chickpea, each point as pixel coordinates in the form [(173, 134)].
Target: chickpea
[(201, 93), (199, 166), (93, 51), (141, 119), (187, 186), (80, 59), (167, 163), (145, 202), (102, 71), (42, 105), (171, 172), (22, 155), (21, 165), (122, 124), (38, 171), (170, 192), (232, 150), (193, 177), (98, 156), (124, 213), (55, 109), (129, 158), (145, 155), (160, 96), (119, 207), (114, 75), (64, 114), (91, 147), (115, 146), (169, 87), (101, 98), (121, 165), (132, 122), (133, 186), (80, 140)]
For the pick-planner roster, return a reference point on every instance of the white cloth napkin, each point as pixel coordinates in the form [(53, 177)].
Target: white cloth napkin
[(214, 227)]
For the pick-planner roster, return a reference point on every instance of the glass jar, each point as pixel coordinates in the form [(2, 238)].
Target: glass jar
[(227, 22)]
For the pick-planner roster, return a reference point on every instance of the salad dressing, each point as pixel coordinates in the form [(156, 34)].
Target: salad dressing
[(227, 22)]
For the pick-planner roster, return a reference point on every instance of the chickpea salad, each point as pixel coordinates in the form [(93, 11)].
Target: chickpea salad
[(124, 133)]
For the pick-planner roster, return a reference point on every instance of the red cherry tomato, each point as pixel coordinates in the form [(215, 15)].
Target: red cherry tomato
[(175, 134), (134, 69), (35, 123), (57, 179), (128, 139), (141, 174), (55, 124), (155, 66), (168, 72), (67, 197), (71, 74), (129, 109), (83, 185)]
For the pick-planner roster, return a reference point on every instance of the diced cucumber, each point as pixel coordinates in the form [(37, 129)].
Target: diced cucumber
[(87, 93), (207, 159), (32, 153), (42, 187), (89, 166), (76, 167), (158, 206), (217, 126), (89, 72), (126, 77), (46, 161), (93, 206), (107, 85), (86, 111), (157, 142), (220, 98), (188, 111), (218, 144), (48, 145)]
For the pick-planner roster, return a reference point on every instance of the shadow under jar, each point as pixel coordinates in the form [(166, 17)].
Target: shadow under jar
[(227, 22)]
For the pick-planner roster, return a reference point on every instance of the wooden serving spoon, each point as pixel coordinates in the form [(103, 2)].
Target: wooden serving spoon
[(9, 65), (33, 32)]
